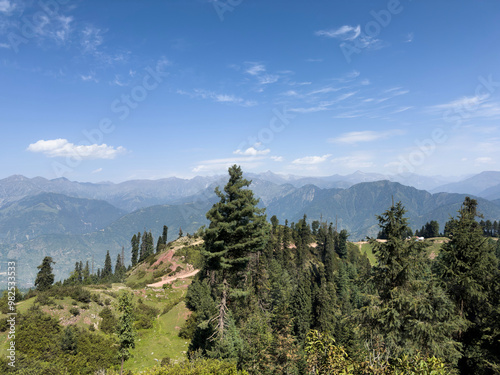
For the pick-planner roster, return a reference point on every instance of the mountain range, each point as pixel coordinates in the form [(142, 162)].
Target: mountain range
[(73, 221)]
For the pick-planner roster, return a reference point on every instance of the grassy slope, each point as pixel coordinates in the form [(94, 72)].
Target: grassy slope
[(158, 342)]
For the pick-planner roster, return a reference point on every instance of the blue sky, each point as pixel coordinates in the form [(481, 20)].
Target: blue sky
[(116, 90)]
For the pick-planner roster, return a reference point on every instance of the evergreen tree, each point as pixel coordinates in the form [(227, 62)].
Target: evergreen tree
[(107, 271), (143, 247), (119, 268), (302, 306), (159, 245), (341, 244), (180, 232), (126, 334), (236, 234), (45, 277), (135, 248), (164, 235), (468, 267), (86, 274), (411, 312)]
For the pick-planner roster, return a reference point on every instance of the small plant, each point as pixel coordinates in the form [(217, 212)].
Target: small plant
[(75, 311)]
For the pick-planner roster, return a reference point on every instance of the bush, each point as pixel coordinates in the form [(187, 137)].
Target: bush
[(159, 273), (44, 299), (75, 311), (145, 315), (108, 323)]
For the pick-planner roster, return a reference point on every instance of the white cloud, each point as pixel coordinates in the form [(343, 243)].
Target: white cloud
[(251, 151), (277, 158), (409, 37), (91, 39), (221, 165), (89, 77), (401, 109), (98, 170), (308, 160), (62, 148), (4, 45), (256, 69), (324, 90), (363, 136), (468, 103), (6, 6), (354, 161), (219, 98), (345, 32), (484, 160), (323, 105)]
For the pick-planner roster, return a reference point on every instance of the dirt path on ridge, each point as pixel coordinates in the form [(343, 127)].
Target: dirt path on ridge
[(188, 272)]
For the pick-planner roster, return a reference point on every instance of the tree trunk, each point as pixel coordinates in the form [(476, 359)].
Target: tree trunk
[(121, 370)]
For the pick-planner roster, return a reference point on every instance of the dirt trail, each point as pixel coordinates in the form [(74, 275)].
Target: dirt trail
[(170, 279), (188, 272)]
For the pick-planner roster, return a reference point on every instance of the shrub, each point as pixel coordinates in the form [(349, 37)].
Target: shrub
[(75, 311), (108, 323)]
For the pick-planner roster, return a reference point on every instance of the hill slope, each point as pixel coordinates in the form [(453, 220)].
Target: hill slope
[(50, 213)]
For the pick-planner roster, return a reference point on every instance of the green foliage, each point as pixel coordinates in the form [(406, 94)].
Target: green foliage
[(196, 367), (410, 311), (144, 315), (45, 277), (468, 267), (108, 323), (74, 310), (126, 333)]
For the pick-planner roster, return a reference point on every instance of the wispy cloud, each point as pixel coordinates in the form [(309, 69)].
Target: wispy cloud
[(364, 136), (259, 71), (277, 158), (323, 105), (354, 161), (309, 160), (217, 97), (4, 45), (470, 107), (221, 165), (252, 151), (345, 32), (483, 160), (409, 37), (91, 77), (98, 170), (91, 39), (6, 6), (62, 148)]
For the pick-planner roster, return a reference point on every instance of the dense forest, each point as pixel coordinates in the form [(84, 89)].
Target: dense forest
[(292, 298)]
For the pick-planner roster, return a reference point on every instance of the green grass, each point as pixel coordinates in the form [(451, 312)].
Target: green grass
[(160, 341), (367, 248)]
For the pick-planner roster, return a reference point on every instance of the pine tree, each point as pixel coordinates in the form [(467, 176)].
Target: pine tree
[(159, 245), (107, 271), (237, 232), (45, 277), (164, 235), (412, 313), (341, 244), (135, 248), (469, 269), (86, 274), (126, 334)]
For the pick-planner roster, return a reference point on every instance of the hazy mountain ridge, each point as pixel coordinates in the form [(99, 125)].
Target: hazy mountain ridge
[(354, 208), (51, 213)]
